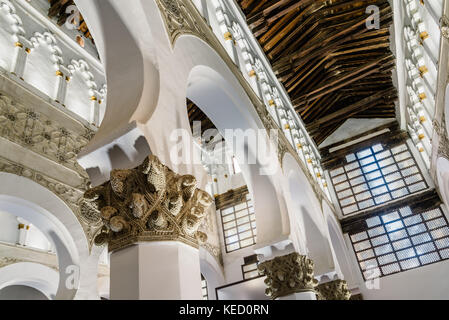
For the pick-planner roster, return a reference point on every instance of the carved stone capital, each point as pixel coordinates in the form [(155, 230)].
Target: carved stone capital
[(149, 203), (334, 290), (287, 275)]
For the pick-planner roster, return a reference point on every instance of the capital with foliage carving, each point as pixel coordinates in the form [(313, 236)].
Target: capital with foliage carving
[(287, 275), (334, 290), (149, 203)]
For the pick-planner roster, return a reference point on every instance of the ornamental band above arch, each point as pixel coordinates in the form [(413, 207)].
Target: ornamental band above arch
[(149, 203)]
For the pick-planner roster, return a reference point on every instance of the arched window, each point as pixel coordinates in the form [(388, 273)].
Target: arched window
[(42, 67), (6, 36), (80, 90)]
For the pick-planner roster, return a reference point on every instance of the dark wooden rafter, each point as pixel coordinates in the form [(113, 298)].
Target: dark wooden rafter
[(196, 114), (333, 67), (58, 10)]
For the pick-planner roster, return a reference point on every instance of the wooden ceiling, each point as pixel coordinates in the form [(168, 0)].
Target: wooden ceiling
[(332, 66), (58, 10), (195, 114)]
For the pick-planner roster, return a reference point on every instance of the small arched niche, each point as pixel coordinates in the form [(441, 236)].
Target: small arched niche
[(42, 67)]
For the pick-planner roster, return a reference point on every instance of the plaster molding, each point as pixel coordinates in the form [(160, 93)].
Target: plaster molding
[(149, 203), (289, 274), (333, 290), (7, 261)]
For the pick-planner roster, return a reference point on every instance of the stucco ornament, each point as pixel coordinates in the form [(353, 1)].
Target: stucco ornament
[(179, 19), (440, 129), (37, 132), (334, 290), (287, 275), (444, 26), (149, 203)]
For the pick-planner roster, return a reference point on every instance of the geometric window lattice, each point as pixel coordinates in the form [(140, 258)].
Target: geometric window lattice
[(375, 176), (250, 271), (239, 225), (204, 288), (401, 240)]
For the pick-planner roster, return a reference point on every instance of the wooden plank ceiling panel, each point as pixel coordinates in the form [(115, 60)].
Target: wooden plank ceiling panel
[(196, 114), (332, 66), (58, 10)]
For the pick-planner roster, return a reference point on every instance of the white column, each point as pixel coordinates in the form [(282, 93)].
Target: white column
[(300, 296), (61, 85), (23, 232), (21, 51), (166, 270), (95, 111)]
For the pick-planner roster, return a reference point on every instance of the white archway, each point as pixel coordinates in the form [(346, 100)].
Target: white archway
[(340, 250), (212, 272), (34, 275), (215, 96), (309, 230), (36, 204), (126, 59)]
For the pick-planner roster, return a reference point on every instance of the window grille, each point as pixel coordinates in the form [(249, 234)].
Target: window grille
[(239, 225), (375, 176), (204, 288), (401, 240)]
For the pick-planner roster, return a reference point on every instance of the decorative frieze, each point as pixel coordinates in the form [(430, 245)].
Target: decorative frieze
[(443, 143), (6, 261), (149, 203), (287, 275), (333, 290), (444, 27), (34, 131)]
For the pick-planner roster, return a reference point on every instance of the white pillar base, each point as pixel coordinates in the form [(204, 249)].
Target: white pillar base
[(165, 270), (299, 296)]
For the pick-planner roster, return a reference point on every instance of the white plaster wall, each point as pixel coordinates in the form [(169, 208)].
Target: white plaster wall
[(37, 276), (36, 239), (9, 231)]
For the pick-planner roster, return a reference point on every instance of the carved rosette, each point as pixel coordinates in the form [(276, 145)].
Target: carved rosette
[(334, 290), (149, 203), (287, 275)]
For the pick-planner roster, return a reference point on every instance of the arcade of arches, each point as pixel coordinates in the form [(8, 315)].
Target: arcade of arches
[(224, 149)]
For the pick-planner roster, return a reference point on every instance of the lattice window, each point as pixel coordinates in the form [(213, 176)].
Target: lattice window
[(204, 288), (250, 271), (239, 225), (401, 240), (375, 176)]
